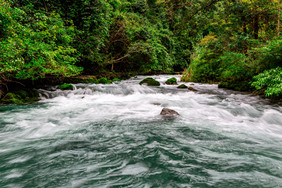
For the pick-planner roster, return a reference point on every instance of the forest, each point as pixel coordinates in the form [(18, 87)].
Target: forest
[(140, 94), (235, 43)]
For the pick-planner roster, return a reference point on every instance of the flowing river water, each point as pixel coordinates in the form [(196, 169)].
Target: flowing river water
[(113, 136)]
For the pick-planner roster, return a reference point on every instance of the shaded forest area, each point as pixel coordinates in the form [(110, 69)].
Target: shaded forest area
[(235, 43)]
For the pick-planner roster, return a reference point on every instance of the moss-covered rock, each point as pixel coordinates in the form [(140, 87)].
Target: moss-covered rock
[(182, 86), (81, 79), (104, 81), (150, 82), (22, 96), (116, 80), (11, 98), (66, 87), (171, 81)]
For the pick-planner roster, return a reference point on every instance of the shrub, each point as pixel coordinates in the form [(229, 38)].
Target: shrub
[(204, 66), (268, 56), (271, 81)]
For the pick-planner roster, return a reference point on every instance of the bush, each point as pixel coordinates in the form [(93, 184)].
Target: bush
[(236, 72), (270, 81), (268, 56), (34, 51), (204, 66)]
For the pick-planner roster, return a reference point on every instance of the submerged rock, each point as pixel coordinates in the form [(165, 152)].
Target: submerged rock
[(66, 87), (150, 82), (171, 81), (166, 112), (192, 89), (182, 86)]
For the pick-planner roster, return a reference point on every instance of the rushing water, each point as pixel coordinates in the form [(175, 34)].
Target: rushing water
[(113, 136)]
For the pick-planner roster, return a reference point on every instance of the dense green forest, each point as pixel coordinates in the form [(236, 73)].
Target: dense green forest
[(235, 43)]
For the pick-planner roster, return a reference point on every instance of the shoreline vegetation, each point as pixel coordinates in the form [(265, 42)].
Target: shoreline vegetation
[(236, 43)]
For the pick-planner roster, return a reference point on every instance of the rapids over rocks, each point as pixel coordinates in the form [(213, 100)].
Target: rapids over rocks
[(113, 136)]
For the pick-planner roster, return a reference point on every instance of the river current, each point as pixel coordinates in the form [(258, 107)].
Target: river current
[(113, 136)]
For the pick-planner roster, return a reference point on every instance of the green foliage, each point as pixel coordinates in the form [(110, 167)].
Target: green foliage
[(34, 51), (140, 6), (4, 24), (204, 66), (270, 81), (136, 44), (267, 56), (171, 81), (217, 41), (150, 82), (235, 71), (234, 66)]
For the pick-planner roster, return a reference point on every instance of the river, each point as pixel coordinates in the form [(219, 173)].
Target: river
[(113, 136)]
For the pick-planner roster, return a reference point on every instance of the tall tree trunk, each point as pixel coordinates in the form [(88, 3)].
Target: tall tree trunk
[(244, 24), (256, 26), (46, 9), (278, 22)]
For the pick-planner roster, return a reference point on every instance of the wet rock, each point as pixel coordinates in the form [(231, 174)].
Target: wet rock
[(182, 86), (171, 81), (166, 112), (150, 82), (192, 89), (157, 104), (66, 87)]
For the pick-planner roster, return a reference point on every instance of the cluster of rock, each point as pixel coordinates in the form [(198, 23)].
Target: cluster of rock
[(172, 81)]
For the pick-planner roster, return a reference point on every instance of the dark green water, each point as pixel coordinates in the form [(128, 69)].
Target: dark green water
[(113, 136)]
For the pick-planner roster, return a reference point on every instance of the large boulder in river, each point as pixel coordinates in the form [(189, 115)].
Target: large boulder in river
[(166, 112), (150, 82), (171, 81)]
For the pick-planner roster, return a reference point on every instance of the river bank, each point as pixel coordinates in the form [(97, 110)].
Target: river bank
[(25, 91), (15, 88)]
